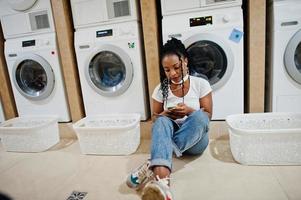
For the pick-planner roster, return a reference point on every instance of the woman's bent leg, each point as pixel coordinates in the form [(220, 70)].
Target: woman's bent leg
[(162, 144), (193, 131), (199, 147)]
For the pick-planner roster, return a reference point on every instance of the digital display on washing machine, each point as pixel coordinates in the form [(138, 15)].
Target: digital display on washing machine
[(104, 33), (28, 43), (200, 21)]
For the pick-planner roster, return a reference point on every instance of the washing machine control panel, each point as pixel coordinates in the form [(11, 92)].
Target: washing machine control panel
[(36, 43), (104, 33), (121, 31), (200, 21), (215, 20), (28, 43)]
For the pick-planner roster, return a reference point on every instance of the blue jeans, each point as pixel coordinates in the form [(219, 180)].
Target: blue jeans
[(191, 137)]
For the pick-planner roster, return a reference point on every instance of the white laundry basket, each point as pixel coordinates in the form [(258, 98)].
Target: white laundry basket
[(29, 134), (109, 134), (266, 138)]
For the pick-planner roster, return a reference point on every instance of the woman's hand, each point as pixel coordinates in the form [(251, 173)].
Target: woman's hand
[(170, 114), (182, 110), (177, 113)]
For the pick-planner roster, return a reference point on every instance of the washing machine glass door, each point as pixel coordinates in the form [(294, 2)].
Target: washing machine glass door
[(21, 5), (109, 71), (292, 57), (33, 77), (210, 58)]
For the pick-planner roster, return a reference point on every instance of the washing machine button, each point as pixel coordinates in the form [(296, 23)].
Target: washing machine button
[(126, 32), (46, 42), (226, 19)]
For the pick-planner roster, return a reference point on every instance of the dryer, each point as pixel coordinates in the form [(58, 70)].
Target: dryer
[(285, 57), (26, 17), (36, 77), (111, 69), (172, 7), (87, 13), (214, 40)]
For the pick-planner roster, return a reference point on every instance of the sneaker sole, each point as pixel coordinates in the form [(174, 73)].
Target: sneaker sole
[(152, 193), (134, 186), (130, 184)]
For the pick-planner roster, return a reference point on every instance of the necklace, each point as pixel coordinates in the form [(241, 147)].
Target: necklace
[(181, 85), (176, 89), (185, 78)]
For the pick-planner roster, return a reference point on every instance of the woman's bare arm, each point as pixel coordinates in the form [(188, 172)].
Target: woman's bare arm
[(206, 104)]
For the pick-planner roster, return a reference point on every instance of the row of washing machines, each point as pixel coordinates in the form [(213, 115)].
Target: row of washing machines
[(109, 52), (108, 49)]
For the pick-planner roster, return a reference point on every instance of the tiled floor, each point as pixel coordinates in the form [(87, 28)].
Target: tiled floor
[(54, 174)]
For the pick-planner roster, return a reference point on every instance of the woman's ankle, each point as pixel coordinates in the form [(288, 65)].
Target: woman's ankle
[(161, 171)]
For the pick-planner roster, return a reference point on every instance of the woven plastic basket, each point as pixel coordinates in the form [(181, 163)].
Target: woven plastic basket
[(29, 134), (109, 134), (266, 138)]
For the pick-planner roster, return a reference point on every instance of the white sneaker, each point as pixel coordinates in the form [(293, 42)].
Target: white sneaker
[(157, 190), (140, 176)]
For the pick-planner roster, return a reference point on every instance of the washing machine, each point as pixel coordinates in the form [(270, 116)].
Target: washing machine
[(2, 118), (214, 40), (172, 7), (284, 57), (36, 77), (87, 13), (26, 17), (111, 69)]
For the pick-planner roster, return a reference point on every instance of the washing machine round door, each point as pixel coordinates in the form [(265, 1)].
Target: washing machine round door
[(210, 58), (109, 71), (292, 57), (21, 5), (33, 77)]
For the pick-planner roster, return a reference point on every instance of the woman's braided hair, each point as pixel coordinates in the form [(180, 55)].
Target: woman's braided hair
[(171, 47)]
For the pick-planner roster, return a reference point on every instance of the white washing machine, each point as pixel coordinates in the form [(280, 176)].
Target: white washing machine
[(285, 57), (111, 69), (171, 7), (2, 118), (26, 17), (214, 40), (87, 13), (36, 77)]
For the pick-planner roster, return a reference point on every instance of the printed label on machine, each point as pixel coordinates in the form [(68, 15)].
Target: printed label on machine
[(236, 35)]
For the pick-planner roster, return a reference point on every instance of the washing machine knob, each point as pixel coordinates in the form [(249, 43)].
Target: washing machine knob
[(46, 42), (125, 32), (226, 18)]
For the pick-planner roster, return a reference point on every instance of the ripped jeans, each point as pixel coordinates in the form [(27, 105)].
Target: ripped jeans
[(191, 137)]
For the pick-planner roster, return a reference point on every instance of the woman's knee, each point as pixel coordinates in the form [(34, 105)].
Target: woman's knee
[(199, 116), (199, 147), (199, 120), (163, 121), (162, 126)]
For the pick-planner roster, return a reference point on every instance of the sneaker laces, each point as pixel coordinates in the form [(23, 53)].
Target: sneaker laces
[(143, 171), (164, 181)]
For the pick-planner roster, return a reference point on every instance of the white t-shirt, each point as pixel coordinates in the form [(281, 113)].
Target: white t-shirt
[(199, 88)]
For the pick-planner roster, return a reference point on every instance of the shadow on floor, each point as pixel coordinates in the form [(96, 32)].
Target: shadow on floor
[(220, 149), (139, 158), (124, 189), (144, 147), (179, 163), (63, 143)]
